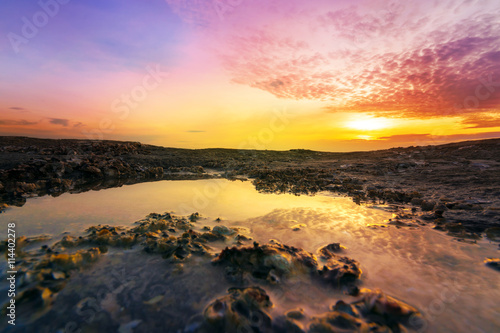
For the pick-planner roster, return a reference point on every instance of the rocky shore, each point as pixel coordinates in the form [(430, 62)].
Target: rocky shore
[(455, 186), (253, 270)]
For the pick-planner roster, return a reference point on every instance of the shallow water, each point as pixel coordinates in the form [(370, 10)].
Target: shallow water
[(444, 278)]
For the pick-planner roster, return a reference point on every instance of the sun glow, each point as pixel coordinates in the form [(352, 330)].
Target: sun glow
[(364, 123)]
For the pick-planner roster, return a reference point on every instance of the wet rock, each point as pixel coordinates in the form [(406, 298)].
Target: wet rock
[(268, 262), (329, 251), (179, 248), (3, 207), (243, 310), (344, 307), (69, 241), (295, 314), (211, 237), (416, 201), (454, 228), (67, 262), (427, 206), (493, 263), (155, 172), (338, 322), (384, 309), (439, 210), (194, 217), (284, 324), (92, 171), (221, 230), (32, 303), (493, 233), (467, 206), (339, 271), (298, 227), (274, 262), (241, 238)]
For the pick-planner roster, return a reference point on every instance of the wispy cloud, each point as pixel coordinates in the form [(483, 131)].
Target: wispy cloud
[(8, 122), (195, 131), (59, 121), (415, 59), (481, 121)]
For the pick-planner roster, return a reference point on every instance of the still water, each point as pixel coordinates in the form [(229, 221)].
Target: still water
[(444, 278)]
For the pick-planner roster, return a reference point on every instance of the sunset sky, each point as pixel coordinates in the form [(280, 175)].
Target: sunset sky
[(258, 74)]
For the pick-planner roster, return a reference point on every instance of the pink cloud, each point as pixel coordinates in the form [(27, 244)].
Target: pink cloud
[(411, 59)]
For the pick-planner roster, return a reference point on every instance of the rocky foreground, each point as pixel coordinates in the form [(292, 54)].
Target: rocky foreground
[(251, 268), (456, 186)]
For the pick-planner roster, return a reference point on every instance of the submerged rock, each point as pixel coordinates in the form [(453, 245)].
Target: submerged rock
[(243, 310), (223, 230), (268, 262), (247, 310), (373, 312), (328, 251), (276, 261), (384, 309)]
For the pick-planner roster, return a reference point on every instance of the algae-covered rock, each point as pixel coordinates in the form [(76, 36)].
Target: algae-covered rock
[(267, 262), (243, 310)]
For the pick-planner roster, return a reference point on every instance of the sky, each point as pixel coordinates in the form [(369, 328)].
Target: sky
[(330, 75)]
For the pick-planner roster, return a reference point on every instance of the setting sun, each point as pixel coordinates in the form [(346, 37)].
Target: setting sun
[(368, 123)]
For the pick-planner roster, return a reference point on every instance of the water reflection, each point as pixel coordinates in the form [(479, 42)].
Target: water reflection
[(234, 200), (444, 278)]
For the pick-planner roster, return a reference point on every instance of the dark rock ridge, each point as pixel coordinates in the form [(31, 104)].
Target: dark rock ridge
[(458, 182)]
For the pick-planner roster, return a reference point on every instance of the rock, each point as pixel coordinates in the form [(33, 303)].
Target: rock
[(342, 306), (295, 313), (111, 172), (338, 322), (427, 206), (92, 171), (416, 201), (439, 210), (454, 228), (32, 301), (69, 241), (267, 262), (3, 207), (274, 262), (221, 230), (243, 310), (328, 251), (298, 227), (339, 271), (493, 263), (194, 217), (467, 206), (493, 233), (387, 310), (67, 262)]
